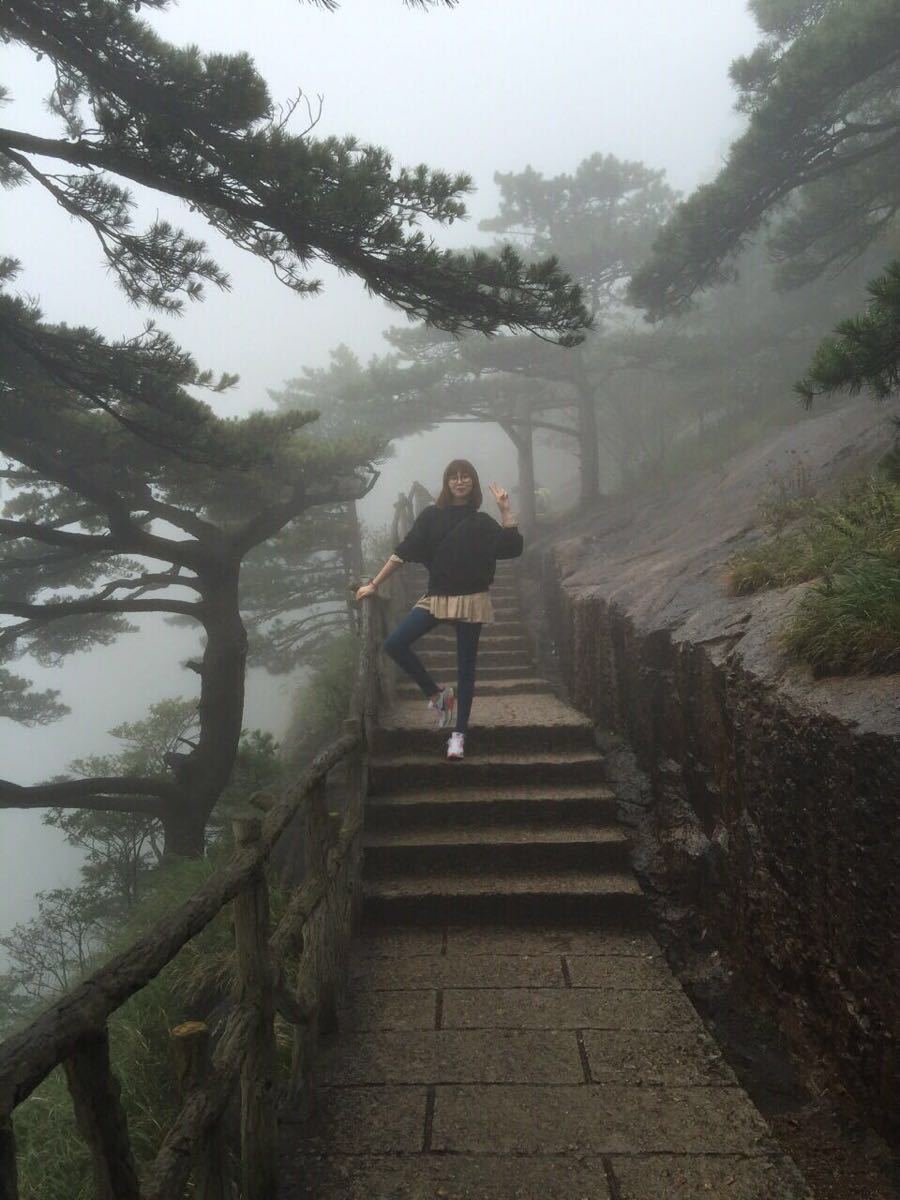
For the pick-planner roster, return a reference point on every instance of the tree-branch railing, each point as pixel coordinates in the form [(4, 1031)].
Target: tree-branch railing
[(315, 930)]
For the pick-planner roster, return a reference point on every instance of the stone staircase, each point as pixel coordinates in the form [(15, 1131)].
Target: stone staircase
[(523, 829), (507, 1032)]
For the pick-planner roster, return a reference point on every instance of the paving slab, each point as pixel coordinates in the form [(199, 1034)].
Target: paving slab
[(651, 1058), (487, 939), (440, 1177), (453, 1056), (458, 970), (596, 1120), (389, 1010), (384, 1120), (567, 1008), (729, 1177), (397, 943), (644, 972)]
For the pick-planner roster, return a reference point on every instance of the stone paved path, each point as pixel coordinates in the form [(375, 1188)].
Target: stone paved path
[(512, 1031)]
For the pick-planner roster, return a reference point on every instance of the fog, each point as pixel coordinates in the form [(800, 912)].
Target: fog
[(485, 87)]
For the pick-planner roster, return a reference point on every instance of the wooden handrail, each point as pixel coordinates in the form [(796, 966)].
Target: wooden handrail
[(28, 1056), (73, 1031), (407, 508)]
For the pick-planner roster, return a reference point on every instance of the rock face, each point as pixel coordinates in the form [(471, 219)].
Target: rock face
[(775, 796)]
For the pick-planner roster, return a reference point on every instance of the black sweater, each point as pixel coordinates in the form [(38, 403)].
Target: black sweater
[(460, 548)]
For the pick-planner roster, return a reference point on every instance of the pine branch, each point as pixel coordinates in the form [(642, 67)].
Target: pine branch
[(94, 606), (132, 794)]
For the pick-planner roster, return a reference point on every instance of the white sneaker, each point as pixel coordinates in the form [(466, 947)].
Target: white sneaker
[(445, 706), (456, 745)]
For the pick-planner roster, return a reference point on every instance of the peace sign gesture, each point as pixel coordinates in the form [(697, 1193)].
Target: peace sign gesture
[(501, 495)]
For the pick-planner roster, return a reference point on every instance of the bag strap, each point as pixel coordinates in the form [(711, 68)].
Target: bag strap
[(450, 532)]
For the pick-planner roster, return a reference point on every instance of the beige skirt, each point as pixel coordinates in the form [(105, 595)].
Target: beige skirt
[(475, 608)]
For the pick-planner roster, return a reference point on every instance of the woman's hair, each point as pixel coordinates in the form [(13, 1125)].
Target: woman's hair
[(463, 467)]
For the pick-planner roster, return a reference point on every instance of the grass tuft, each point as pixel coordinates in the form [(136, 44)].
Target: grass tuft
[(849, 621)]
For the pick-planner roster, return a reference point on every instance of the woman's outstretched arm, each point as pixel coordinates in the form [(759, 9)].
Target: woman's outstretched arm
[(369, 589)]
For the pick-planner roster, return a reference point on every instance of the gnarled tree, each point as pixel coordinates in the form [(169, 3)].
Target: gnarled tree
[(131, 497)]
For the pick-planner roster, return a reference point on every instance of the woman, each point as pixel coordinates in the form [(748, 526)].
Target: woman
[(460, 546)]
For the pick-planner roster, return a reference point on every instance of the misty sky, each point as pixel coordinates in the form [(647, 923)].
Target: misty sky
[(492, 85)]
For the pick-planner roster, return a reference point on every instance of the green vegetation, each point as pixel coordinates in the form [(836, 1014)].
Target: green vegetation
[(323, 701), (53, 1161), (849, 619), (865, 351)]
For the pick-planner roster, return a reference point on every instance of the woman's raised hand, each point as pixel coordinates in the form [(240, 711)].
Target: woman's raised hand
[(501, 495)]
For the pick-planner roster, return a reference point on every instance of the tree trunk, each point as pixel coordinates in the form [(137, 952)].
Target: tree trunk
[(525, 456), (587, 436), (353, 561), (184, 828), (522, 437), (203, 774)]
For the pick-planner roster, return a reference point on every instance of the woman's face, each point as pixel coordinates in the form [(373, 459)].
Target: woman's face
[(460, 485)]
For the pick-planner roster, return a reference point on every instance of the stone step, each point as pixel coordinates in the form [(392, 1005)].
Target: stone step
[(435, 660), (511, 670), (494, 849), (505, 627), (429, 740), (536, 897), (522, 803), (440, 641), (392, 773), (524, 685)]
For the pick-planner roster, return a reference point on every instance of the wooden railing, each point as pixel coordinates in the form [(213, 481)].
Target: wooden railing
[(314, 931)]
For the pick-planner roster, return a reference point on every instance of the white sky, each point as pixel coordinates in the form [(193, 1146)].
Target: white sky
[(492, 85)]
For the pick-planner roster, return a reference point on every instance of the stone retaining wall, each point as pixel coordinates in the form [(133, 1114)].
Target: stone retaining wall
[(776, 820)]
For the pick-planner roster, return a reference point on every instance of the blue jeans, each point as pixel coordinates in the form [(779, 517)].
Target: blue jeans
[(399, 646)]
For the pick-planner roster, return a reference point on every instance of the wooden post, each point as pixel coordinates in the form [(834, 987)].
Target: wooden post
[(358, 783), (318, 842), (301, 1088), (259, 1126), (190, 1051), (101, 1120), (9, 1178)]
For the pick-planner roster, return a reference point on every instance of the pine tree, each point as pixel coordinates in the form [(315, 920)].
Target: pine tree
[(102, 463), (819, 156), (864, 353), (204, 129)]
